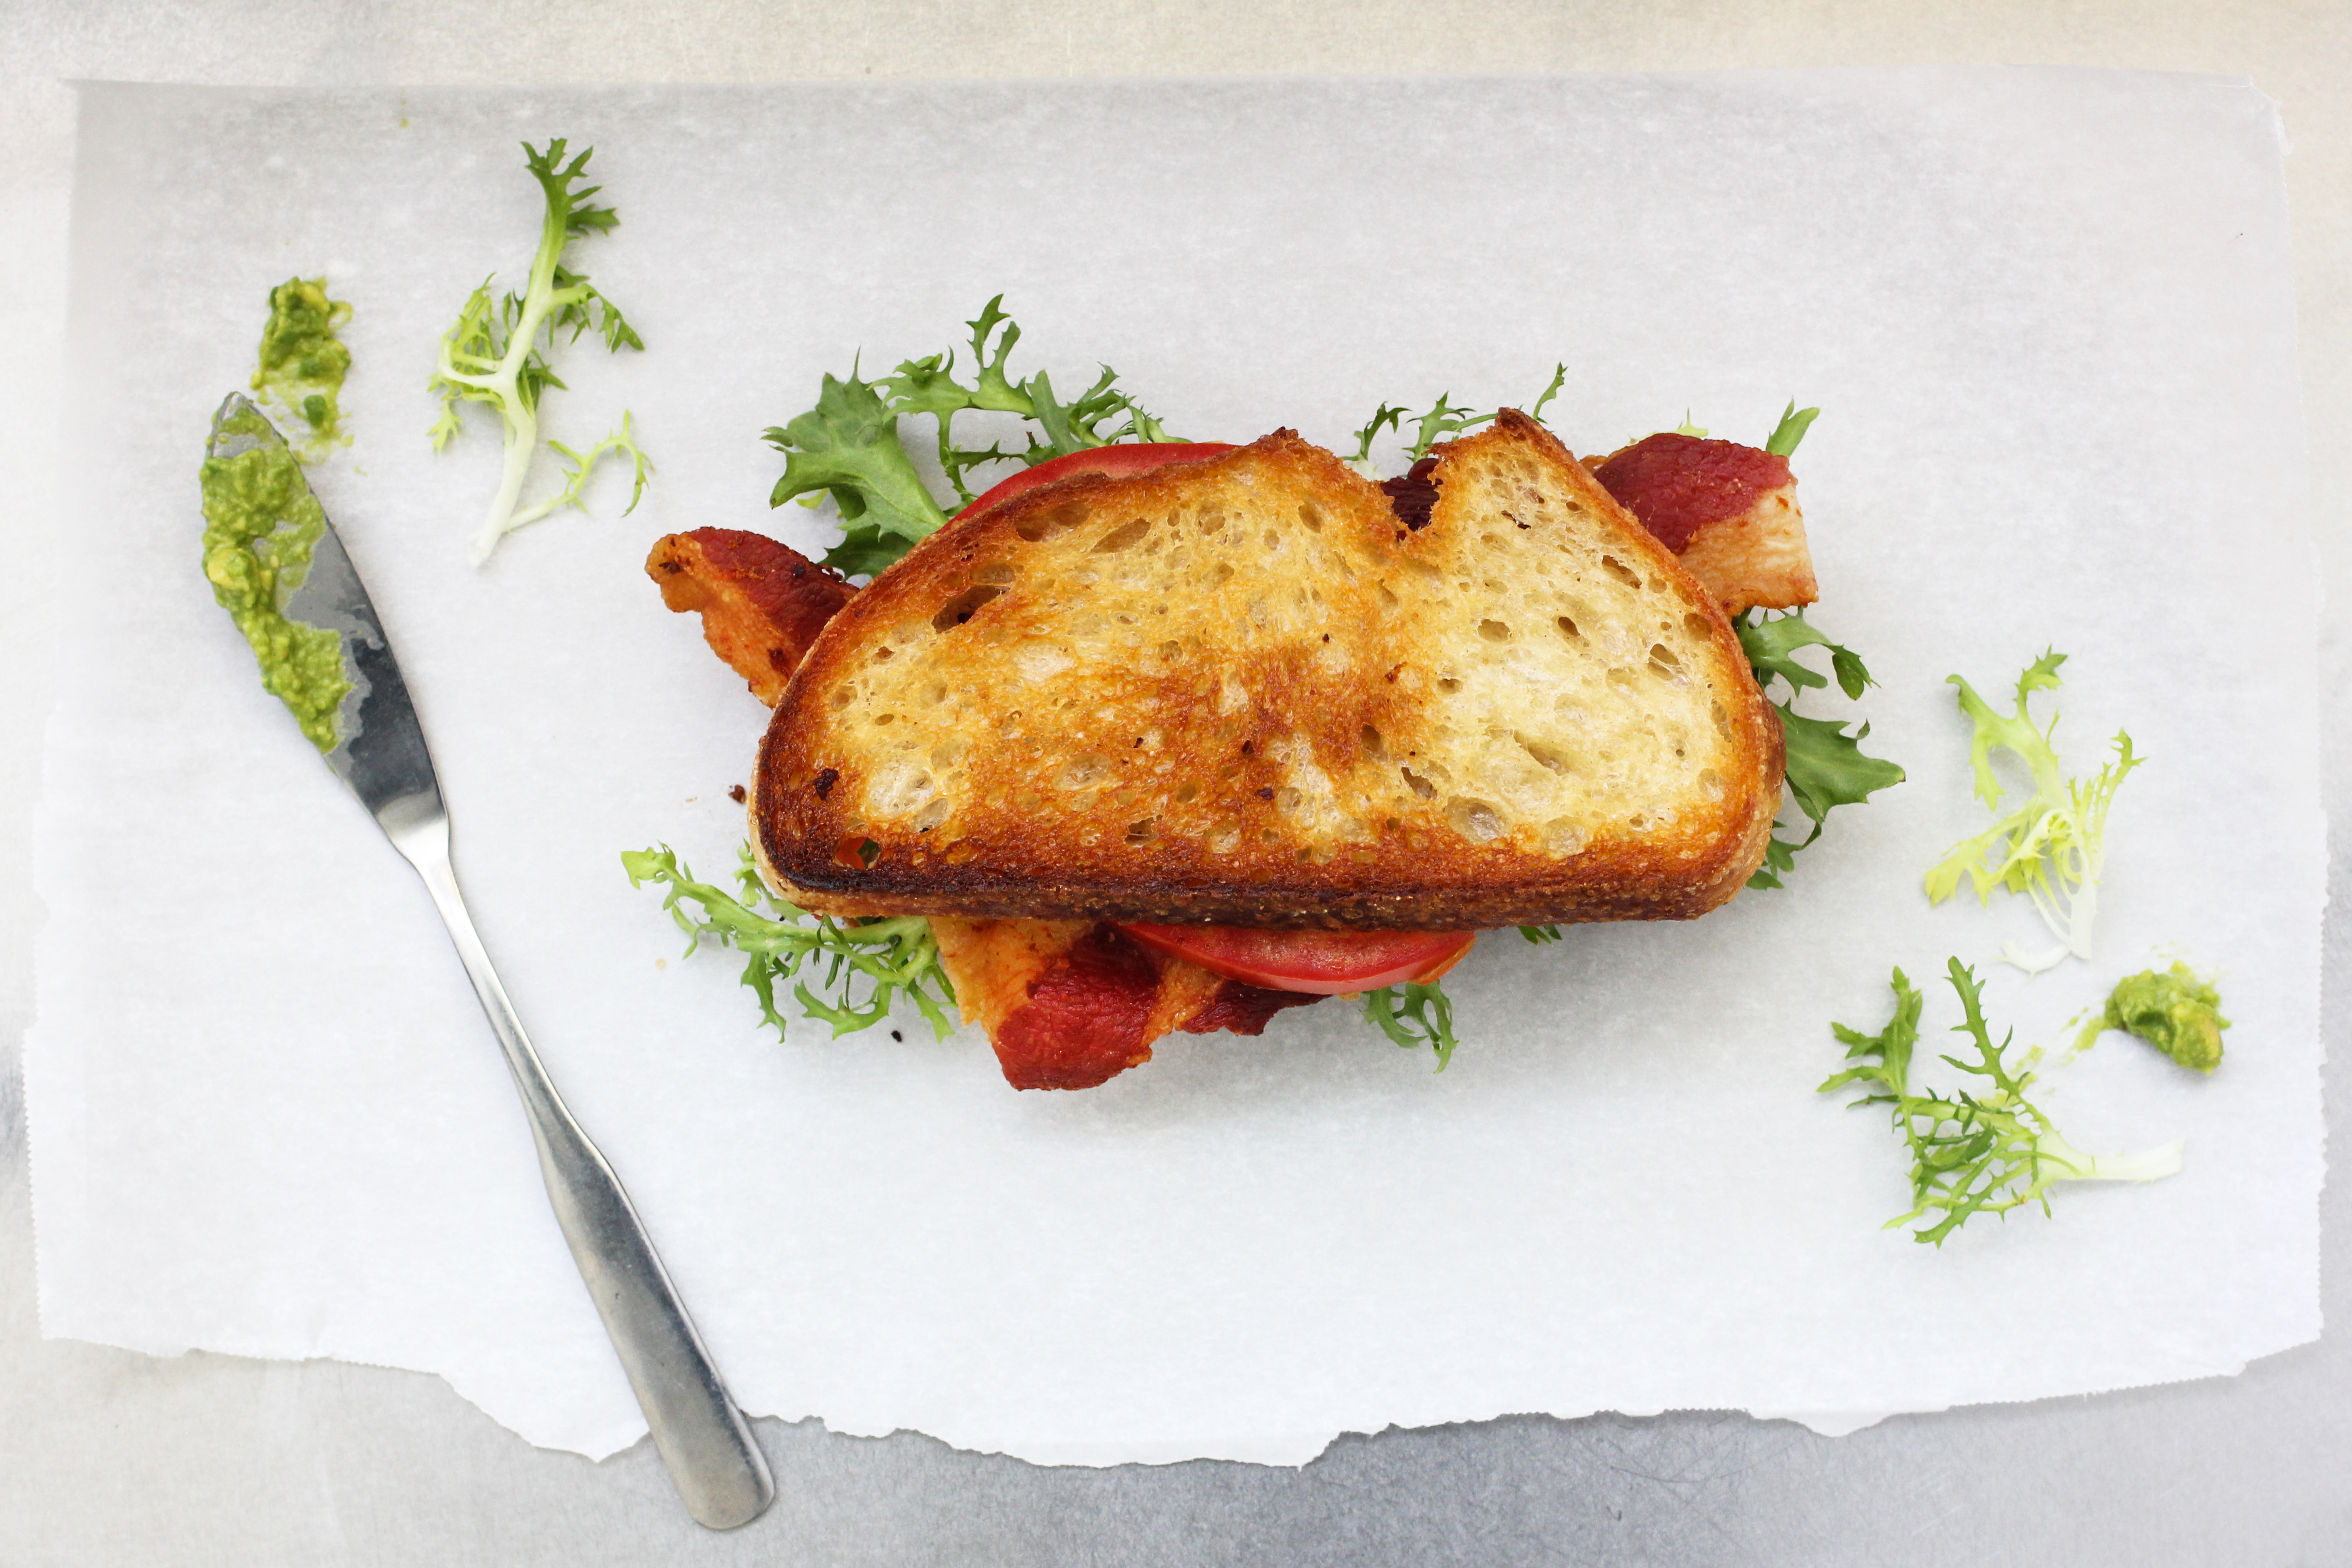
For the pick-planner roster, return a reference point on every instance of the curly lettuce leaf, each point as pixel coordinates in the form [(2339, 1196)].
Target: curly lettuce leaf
[(865, 549), (1794, 423), (2052, 845), (1985, 1151), (1441, 420), (862, 967), (1412, 1015), (848, 446), (1770, 646), (1826, 766), (495, 353), (1385, 417)]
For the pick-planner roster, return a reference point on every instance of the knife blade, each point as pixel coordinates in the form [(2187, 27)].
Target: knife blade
[(380, 752)]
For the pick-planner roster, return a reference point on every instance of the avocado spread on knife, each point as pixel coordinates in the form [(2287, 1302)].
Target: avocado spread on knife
[(261, 525)]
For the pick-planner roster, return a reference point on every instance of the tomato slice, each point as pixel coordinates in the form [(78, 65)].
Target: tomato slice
[(1118, 459), (1322, 963)]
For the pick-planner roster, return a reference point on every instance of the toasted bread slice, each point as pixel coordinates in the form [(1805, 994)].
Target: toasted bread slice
[(1244, 690)]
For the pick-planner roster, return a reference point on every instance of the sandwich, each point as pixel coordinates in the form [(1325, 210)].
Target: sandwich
[(1171, 737)]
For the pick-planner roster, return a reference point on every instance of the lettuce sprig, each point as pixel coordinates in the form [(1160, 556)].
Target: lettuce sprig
[(1985, 1151), (2052, 845), (1826, 767), (848, 446), (1412, 1015), (862, 967), (1441, 420), (496, 353)]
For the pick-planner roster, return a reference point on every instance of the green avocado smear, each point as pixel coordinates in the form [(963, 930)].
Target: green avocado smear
[(302, 364), (2177, 1013), (261, 524)]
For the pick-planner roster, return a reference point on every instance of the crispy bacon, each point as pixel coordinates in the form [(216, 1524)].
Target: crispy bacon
[(1086, 1020), (1071, 1005), (1679, 484), (992, 962), (1243, 1009), (761, 603), (1729, 511)]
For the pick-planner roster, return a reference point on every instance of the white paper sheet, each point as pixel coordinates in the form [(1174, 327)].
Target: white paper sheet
[(2048, 316)]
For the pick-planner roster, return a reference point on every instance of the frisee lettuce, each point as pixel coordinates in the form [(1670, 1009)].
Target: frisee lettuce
[(1384, 417), (1971, 1153), (1443, 419), (1412, 1015), (2053, 847), (848, 446), (1826, 767), (496, 353), (867, 965), (1794, 423), (1790, 429)]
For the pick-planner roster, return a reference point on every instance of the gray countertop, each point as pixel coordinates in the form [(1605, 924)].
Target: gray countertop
[(108, 1456)]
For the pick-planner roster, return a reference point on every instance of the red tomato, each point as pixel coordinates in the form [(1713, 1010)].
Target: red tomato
[(1120, 460), (1323, 962)]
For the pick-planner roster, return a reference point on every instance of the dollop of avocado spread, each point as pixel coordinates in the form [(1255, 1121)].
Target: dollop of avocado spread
[(2177, 1013), (302, 364), (261, 525)]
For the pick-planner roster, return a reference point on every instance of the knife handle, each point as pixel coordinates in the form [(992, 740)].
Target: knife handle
[(714, 1461)]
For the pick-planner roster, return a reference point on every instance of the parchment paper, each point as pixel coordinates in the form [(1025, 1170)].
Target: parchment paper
[(2048, 316)]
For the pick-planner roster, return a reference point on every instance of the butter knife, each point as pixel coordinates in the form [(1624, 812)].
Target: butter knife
[(716, 1464)]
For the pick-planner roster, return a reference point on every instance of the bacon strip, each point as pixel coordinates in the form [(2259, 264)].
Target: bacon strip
[(763, 603), (1086, 1019), (1729, 511), (991, 963), (1243, 1009), (1071, 1005)]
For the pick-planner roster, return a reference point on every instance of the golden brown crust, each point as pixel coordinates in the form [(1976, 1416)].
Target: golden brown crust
[(1237, 748)]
